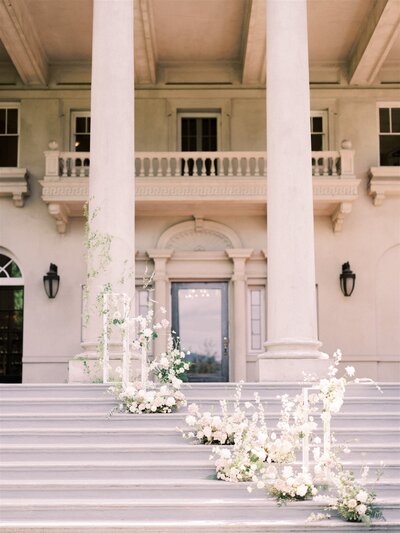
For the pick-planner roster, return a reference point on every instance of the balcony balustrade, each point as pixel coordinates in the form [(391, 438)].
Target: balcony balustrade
[(186, 182)]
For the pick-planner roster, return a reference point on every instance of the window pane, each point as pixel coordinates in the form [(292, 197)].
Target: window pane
[(389, 146), (256, 342), (255, 297), (317, 124), (384, 124), (12, 120), (80, 125), (316, 142), (2, 121), (82, 143), (8, 151), (396, 120), (88, 124)]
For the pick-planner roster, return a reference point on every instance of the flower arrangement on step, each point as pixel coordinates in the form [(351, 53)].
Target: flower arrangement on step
[(152, 399), (350, 498), (292, 486), (249, 454), (171, 366), (161, 395), (208, 428)]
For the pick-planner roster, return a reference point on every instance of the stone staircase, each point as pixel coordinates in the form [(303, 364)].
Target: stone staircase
[(66, 465)]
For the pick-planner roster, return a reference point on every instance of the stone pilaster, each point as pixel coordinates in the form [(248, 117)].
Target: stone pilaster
[(238, 334), (161, 285)]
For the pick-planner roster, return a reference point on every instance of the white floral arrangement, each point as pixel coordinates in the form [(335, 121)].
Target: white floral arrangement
[(164, 399), (292, 486), (170, 366), (352, 501), (162, 395), (249, 454), (208, 428)]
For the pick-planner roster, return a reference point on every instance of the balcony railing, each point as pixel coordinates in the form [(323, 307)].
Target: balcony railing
[(200, 164), (210, 181)]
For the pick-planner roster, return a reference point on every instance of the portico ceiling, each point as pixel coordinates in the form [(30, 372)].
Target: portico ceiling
[(361, 36)]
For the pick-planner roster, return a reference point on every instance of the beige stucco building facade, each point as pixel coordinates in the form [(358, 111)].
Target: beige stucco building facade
[(202, 199)]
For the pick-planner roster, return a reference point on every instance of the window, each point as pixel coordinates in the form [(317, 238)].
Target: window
[(389, 135), (256, 325), (9, 135), (80, 131), (319, 129), (198, 132)]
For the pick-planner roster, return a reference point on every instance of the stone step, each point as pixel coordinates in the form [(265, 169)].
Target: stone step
[(133, 469), (100, 421), (204, 390), (163, 510), (148, 489), (196, 526), (133, 435), (387, 404), (148, 452)]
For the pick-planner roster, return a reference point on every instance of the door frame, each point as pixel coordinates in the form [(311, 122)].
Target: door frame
[(200, 284)]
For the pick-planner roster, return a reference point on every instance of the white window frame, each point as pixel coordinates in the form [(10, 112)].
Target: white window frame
[(198, 114), (74, 116), (325, 126), (262, 290), (386, 105), (17, 106)]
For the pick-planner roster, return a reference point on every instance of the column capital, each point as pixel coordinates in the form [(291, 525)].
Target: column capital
[(160, 253), (239, 253)]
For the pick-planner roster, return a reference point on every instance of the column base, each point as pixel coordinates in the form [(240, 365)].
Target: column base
[(292, 360)]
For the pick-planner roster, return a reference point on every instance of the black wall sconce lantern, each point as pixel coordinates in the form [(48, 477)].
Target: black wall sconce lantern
[(51, 281), (347, 280)]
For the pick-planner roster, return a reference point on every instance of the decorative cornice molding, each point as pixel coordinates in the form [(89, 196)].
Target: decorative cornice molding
[(73, 192)]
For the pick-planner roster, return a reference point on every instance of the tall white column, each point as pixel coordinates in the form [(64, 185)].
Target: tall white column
[(111, 184), (160, 258), (239, 258), (292, 345)]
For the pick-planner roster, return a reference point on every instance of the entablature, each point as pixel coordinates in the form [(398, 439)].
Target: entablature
[(188, 183)]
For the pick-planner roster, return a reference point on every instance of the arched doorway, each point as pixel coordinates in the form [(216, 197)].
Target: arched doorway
[(11, 320)]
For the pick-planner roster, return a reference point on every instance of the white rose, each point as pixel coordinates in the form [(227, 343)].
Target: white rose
[(190, 420), (193, 409), (352, 504), (350, 370), (147, 332), (164, 363), (301, 490), (362, 496), (207, 432), (361, 509), (170, 401)]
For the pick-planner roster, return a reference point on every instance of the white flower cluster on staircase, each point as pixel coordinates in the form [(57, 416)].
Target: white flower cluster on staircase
[(248, 451), (157, 388)]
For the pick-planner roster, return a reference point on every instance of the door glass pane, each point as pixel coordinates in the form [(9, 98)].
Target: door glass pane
[(200, 320), (200, 313)]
